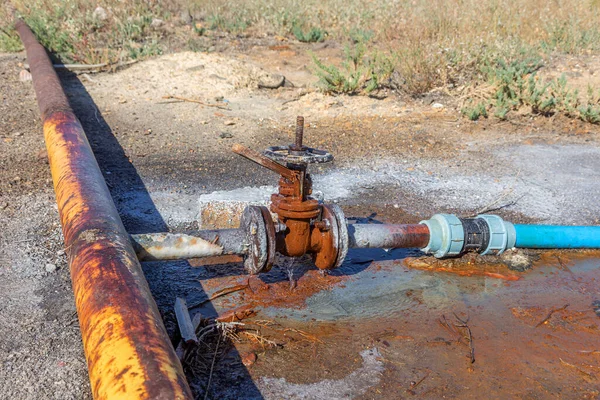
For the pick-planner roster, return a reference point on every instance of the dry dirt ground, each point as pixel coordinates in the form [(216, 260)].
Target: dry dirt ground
[(401, 158)]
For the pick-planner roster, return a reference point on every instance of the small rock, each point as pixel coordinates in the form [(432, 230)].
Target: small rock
[(185, 17), (42, 155), (50, 268), (272, 81), (248, 359), (437, 105), (157, 23), (516, 260), (195, 68), (100, 14), (148, 132), (25, 76), (18, 134), (225, 135), (229, 122)]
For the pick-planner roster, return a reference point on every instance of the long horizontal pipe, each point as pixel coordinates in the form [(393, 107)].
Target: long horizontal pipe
[(127, 348), (388, 236), (180, 246), (557, 237)]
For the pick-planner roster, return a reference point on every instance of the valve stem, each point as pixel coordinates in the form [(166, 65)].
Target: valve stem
[(299, 133)]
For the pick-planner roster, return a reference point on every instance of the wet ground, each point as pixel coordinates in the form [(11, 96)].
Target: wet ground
[(386, 324)]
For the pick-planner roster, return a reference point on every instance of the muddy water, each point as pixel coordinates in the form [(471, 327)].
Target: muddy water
[(388, 287), (440, 333)]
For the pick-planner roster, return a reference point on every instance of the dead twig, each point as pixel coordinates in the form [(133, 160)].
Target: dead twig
[(563, 266), (545, 320), (495, 205), (459, 336), (469, 337), (587, 376), (212, 368), (308, 336), (221, 106), (220, 293), (413, 385), (451, 329), (589, 352), (228, 290), (265, 323), (260, 339)]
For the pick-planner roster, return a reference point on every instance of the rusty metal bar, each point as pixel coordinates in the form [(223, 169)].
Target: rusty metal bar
[(180, 246), (127, 348), (264, 161), (388, 236)]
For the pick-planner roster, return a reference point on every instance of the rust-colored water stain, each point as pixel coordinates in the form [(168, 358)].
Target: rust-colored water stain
[(278, 294), (536, 337), (465, 266)]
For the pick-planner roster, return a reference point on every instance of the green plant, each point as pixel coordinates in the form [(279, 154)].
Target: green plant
[(589, 113), (571, 38), (511, 80), (537, 97), (358, 35), (314, 34), (360, 72), (9, 41), (475, 112), (50, 34), (333, 80), (234, 24), (380, 68), (567, 100), (147, 49)]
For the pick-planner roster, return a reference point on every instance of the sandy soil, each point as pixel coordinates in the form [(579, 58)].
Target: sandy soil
[(401, 158)]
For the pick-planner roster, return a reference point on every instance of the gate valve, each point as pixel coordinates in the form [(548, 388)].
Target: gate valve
[(305, 226)]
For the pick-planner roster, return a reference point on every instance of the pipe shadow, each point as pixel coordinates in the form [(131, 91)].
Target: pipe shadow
[(167, 280)]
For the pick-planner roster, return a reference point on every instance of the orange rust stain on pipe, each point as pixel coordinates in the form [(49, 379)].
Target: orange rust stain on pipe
[(127, 348)]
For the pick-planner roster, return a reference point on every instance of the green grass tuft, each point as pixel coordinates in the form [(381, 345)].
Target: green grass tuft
[(313, 35)]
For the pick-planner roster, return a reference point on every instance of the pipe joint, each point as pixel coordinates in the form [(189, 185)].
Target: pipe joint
[(446, 235), (502, 234), (452, 236)]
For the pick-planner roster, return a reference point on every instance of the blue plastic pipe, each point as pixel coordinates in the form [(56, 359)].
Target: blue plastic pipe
[(557, 237)]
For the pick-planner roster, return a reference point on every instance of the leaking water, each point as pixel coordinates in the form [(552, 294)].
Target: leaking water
[(386, 287)]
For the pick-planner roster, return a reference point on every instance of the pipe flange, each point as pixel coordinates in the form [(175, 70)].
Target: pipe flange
[(446, 235), (328, 252), (343, 242), (502, 234), (253, 223)]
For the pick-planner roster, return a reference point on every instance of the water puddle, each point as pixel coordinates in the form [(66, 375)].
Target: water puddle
[(388, 287)]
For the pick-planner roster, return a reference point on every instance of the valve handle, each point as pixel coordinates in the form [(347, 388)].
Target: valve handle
[(308, 155), (297, 154), (264, 161)]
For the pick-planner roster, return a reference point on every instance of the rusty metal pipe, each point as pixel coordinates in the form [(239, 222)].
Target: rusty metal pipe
[(181, 246), (126, 346), (367, 236)]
